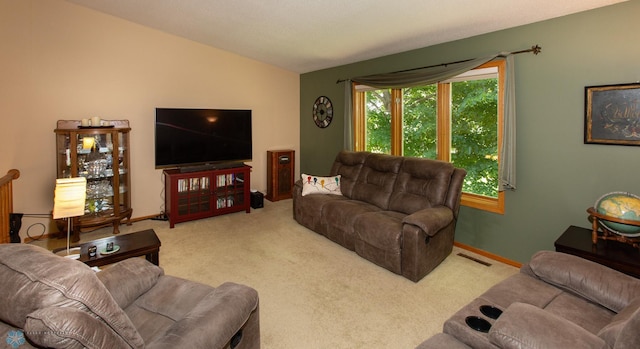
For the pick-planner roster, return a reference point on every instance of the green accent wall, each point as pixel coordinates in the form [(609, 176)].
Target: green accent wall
[(558, 176)]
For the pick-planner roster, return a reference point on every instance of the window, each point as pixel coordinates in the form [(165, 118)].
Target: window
[(458, 120)]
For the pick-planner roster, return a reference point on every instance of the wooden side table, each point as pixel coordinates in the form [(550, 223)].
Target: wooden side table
[(616, 255), (142, 243)]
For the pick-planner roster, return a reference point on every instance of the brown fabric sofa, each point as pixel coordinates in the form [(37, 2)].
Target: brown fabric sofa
[(556, 301), (397, 212), (54, 302)]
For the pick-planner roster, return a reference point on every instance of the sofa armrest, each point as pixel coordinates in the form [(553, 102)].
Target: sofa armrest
[(595, 282), (430, 220), (129, 279), (214, 321), (524, 326), (297, 188)]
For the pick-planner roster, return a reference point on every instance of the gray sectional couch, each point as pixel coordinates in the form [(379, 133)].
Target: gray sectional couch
[(556, 301), (397, 212)]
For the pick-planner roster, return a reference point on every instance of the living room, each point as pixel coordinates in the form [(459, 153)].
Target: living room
[(120, 70), (63, 61)]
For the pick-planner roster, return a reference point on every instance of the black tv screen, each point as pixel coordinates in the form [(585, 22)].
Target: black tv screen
[(191, 137)]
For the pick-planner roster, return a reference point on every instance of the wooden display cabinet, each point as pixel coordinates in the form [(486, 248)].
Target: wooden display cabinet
[(101, 155), (202, 194)]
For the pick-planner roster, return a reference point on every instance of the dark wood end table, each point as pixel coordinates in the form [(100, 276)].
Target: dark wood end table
[(616, 255), (142, 243)]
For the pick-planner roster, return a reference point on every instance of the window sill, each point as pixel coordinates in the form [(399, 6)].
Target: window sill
[(485, 203)]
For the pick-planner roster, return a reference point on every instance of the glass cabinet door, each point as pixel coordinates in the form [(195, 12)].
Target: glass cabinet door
[(95, 162), (230, 190), (101, 155), (193, 195), (121, 181)]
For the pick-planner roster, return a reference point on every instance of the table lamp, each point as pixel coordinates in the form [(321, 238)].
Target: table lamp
[(68, 201)]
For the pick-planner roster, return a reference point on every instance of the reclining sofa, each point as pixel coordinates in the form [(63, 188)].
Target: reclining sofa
[(556, 301), (48, 301), (397, 212)]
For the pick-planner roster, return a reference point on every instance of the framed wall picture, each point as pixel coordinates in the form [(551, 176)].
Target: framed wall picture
[(612, 114)]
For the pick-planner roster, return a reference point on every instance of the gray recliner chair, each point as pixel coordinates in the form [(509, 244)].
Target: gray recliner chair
[(556, 301), (54, 302)]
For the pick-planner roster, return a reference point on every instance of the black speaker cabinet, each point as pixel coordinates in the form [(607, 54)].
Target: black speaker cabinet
[(257, 199), (280, 174)]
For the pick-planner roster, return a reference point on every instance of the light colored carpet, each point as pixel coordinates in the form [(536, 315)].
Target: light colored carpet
[(313, 292)]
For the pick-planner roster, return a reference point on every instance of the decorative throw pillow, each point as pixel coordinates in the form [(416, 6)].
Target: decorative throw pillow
[(320, 185)]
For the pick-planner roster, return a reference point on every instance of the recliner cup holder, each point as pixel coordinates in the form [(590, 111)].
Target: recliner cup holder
[(490, 311), (478, 323)]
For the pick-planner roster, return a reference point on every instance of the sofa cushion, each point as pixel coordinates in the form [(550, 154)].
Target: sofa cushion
[(63, 327), (222, 313), (520, 288), (348, 165), (141, 276), (338, 217), (170, 300), (580, 311), (320, 185), (421, 183), (34, 278), (524, 326), (376, 179), (308, 211), (595, 282), (378, 238)]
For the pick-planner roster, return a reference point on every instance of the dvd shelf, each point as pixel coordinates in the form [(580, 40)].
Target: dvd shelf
[(196, 195)]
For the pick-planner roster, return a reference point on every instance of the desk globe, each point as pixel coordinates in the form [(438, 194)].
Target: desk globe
[(621, 205)]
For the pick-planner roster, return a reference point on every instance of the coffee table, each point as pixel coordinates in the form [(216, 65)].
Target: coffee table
[(142, 243)]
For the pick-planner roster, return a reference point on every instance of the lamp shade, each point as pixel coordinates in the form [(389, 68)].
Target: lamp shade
[(69, 197)]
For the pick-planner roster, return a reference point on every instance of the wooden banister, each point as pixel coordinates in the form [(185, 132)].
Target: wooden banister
[(6, 203)]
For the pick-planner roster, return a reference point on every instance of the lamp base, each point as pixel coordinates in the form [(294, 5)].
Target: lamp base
[(72, 253)]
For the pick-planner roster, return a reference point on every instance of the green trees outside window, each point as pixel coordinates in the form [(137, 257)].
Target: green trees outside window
[(472, 121)]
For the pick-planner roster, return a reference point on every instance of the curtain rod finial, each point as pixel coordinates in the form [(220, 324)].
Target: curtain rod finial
[(536, 49)]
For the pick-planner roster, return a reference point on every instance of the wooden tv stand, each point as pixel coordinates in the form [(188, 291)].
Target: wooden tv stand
[(202, 194)]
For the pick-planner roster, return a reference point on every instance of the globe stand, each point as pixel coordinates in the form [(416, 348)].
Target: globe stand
[(596, 217)]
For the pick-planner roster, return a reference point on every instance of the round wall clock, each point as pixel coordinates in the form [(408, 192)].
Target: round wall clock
[(322, 111)]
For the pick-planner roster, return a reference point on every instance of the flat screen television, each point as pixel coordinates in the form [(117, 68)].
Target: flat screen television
[(202, 137)]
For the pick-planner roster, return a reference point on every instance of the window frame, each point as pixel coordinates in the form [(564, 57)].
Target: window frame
[(481, 202)]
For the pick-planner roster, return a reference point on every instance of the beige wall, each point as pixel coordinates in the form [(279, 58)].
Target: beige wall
[(62, 61)]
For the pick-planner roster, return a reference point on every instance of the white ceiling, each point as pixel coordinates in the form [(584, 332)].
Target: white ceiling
[(305, 35)]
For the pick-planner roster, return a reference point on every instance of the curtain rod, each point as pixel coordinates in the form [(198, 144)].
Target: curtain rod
[(535, 49)]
